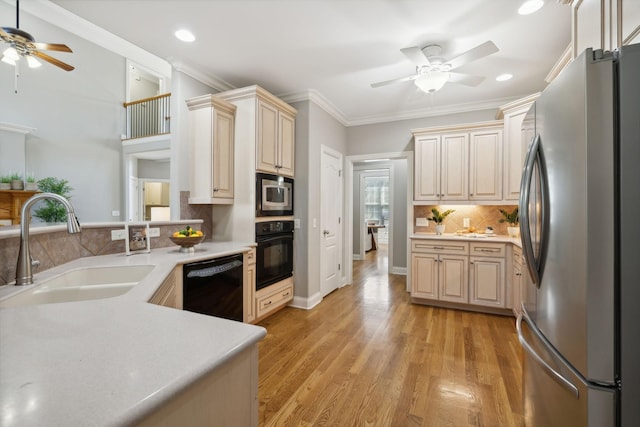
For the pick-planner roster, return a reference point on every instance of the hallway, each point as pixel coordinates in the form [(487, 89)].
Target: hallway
[(367, 356)]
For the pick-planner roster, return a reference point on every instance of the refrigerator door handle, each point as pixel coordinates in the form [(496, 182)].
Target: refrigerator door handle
[(529, 349), (534, 156)]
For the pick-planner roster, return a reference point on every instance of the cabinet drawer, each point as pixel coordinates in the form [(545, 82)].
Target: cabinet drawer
[(440, 247), (488, 249), (274, 298), (517, 256), (251, 257)]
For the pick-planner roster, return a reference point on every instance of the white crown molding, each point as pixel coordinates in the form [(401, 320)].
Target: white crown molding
[(318, 99), (211, 81), (431, 112), (62, 18), (9, 127)]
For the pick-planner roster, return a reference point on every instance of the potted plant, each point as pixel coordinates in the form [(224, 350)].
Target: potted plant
[(438, 217), (31, 183), (16, 181), (52, 210), (513, 219), (5, 182)]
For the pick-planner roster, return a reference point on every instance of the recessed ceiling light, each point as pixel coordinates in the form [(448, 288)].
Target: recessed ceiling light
[(530, 6), (504, 77), (185, 35)]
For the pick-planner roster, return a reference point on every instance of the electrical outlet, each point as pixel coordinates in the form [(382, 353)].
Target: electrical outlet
[(154, 232), (422, 222), (118, 234), (296, 223), (466, 222)]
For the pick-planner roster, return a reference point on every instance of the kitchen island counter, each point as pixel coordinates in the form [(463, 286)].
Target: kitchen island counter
[(112, 361)]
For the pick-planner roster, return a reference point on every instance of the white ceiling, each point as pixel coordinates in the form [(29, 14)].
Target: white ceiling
[(334, 49)]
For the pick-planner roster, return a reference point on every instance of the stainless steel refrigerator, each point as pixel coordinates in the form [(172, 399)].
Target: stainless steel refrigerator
[(580, 228)]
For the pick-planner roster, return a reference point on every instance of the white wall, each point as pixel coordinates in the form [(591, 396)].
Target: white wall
[(78, 117), (396, 137), (314, 128)]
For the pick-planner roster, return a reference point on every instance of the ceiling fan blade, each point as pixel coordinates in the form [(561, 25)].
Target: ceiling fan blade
[(465, 79), (52, 60), (480, 51), (53, 46), (399, 80), (415, 54)]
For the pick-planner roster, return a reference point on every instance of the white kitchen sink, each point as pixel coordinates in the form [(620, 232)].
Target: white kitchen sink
[(81, 284)]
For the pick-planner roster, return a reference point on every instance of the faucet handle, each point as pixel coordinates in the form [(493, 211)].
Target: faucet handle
[(35, 263)]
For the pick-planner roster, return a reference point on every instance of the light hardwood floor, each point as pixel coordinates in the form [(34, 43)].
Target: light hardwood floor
[(366, 356)]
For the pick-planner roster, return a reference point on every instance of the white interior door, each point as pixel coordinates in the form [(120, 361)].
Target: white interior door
[(331, 211)]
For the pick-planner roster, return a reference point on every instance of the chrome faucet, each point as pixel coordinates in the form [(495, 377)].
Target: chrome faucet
[(24, 273)]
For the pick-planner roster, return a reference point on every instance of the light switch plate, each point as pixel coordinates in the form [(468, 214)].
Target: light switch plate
[(422, 222), (118, 234), (296, 223), (466, 222)]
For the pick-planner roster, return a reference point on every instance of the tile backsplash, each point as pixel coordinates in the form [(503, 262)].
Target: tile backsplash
[(480, 216), (59, 247)]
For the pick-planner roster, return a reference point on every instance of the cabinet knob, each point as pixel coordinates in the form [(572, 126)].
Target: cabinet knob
[(215, 189), (325, 232)]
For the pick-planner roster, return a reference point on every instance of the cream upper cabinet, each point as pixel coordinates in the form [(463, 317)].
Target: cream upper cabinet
[(458, 163), (441, 171), (275, 140), (485, 165), (427, 168), (604, 24), (266, 125), (211, 148), (516, 139)]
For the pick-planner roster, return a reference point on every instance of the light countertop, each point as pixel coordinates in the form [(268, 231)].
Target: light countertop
[(468, 238), (110, 361)]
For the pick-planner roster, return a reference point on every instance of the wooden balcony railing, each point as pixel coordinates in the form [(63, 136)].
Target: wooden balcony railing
[(148, 117)]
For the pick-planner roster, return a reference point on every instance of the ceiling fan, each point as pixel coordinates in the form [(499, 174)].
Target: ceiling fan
[(22, 44), (433, 71)]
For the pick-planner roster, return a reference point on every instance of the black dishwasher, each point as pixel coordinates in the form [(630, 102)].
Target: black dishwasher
[(214, 287)]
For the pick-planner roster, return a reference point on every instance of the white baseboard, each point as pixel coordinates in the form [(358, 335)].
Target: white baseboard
[(399, 270), (357, 257), (306, 303)]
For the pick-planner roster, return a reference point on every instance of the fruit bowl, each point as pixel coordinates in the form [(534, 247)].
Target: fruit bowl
[(187, 243)]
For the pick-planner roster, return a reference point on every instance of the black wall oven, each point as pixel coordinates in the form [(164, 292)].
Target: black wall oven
[(274, 253), (274, 195)]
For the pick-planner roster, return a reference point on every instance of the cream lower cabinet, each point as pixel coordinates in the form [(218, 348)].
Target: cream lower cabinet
[(211, 146), (516, 280), (487, 276), (273, 298), (470, 274), (169, 294), (249, 313), (439, 270)]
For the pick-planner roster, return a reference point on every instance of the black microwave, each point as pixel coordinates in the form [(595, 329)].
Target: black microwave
[(274, 195)]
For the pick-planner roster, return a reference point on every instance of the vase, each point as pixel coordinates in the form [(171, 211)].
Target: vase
[(439, 229), (31, 186), (5, 186), (17, 184), (513, 231)]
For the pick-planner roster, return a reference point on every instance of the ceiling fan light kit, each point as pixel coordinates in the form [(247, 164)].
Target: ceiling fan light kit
[(433, 71), (432, 81), (23, 45)]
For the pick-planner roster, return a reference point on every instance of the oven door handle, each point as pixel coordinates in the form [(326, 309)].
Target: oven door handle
[(288, 236)]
